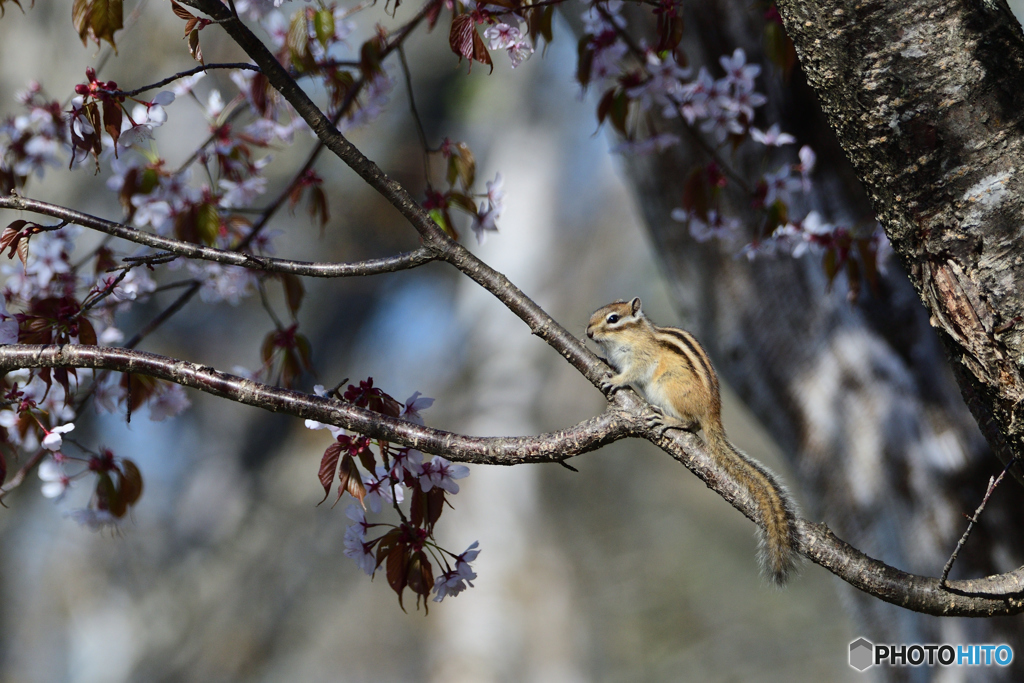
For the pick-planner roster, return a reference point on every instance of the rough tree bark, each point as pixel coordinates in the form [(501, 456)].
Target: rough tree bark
[(925, 98)]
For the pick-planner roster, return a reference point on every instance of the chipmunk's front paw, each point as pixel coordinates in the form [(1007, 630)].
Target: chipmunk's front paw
[(660, 422), (609, 386), (657, 419)]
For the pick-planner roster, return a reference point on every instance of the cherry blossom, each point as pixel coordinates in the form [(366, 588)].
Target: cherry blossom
[(97, 520), (737, 71), (454, 581), (356, 546), (406, 461), (413, 405), (779, 184), (502, 36), (378, 489), (441, 473), (47, 258), (773, 137), (144, 118), (489, 209), (169, 400), (9, 328), (53, 440), (55, 481)]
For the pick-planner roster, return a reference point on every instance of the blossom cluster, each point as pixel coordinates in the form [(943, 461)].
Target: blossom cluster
[(644, 84), (408, 550)]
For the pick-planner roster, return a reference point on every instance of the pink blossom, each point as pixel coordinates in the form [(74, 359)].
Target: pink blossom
[(413, 405), (721, 122), (807, 160), (9, 327), (378, 489), (168, 402), (241, 194), (442, 474), (502, 36), (454, 581), (405, 461), (53, 440), (356, 546), (717, 225), (97, 520), (773, 137), (737, 71), (779, 184), (55, 481), (489, 210)]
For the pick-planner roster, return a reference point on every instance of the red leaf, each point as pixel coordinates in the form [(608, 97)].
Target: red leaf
[(585, 60), (397, 570), (193, 46), (420, 574), (86, 332), (328, 467), (112, 119), (695, 194), (480, 52), (605, 105), (140, 388), (435, 504), (181, 12), (349, 480), (386, 543), (416, 507), (293, 292), (433, 12), (460, 37), (131, 482)]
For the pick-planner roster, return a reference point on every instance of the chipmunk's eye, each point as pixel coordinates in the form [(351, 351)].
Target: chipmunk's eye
[(613, 318)]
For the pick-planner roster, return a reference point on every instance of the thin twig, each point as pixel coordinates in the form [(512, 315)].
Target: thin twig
[(388, 264), (993, 482), (181, 74), (415, 114)]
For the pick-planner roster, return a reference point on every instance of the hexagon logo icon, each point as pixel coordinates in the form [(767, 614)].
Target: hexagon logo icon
[(861, 654)]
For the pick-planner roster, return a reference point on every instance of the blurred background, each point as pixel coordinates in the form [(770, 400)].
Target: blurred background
[(629, 569)]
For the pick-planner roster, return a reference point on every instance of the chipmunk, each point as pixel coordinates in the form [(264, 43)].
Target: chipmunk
[(670, 369)]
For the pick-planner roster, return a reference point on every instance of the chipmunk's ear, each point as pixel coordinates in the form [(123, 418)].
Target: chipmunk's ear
[(634, 306)]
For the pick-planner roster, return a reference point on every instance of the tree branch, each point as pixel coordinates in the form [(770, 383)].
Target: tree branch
[(387, 264), (993, 595), (505, 450), (540, 323), (1001, 594)]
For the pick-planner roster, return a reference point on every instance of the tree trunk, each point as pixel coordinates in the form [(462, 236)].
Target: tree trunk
[(859, 395)]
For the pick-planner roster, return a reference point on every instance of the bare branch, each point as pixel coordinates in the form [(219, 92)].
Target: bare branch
[(388, 264), (181, 74), (994, 595), (540, 323), (505, 450), (1000, 594)]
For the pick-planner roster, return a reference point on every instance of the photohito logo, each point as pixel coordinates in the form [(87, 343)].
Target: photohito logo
[(864, 654)]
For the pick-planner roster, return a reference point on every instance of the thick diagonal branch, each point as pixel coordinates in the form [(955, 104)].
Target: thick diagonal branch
[(539, 322)]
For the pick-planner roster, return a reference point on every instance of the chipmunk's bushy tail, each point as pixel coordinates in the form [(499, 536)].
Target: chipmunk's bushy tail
[(777, 531)]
